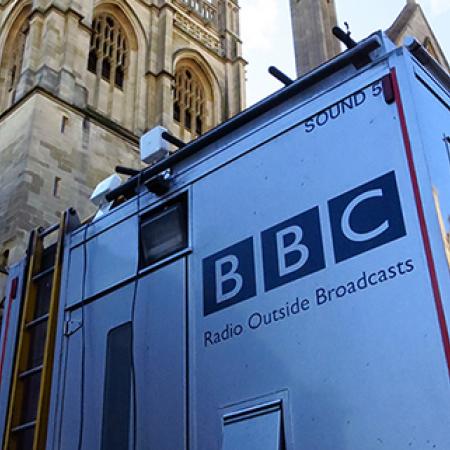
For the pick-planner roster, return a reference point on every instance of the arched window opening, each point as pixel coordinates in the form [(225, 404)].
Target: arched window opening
[(108, 53), (12, 61), (189, 101), (15, 58)]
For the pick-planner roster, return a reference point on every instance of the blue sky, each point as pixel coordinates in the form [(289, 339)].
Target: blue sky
[(267, 38)]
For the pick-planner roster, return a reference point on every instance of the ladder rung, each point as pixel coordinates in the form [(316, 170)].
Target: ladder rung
[(24, 426), (49, 230), (34, 322), (42, 274), (29, 372)]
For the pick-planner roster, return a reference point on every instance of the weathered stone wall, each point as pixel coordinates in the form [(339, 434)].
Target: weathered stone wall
[(52, 156), (15, 182), (412, 22), (63, 129)]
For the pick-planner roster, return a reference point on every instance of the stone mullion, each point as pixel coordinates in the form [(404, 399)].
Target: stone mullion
[(100, 36), (99, 52), (195, 105), (151, 69), (3, 84), (13, 69), (164, 105), (201, 110), (110, 49), (191, 109), (19, 52), (182, 102), (115, 49)]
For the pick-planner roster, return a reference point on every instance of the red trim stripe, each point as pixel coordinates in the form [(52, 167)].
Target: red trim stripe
[(12, 296), (423, 225)]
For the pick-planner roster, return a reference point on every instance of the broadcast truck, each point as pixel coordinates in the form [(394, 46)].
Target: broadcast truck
[(279, 283)]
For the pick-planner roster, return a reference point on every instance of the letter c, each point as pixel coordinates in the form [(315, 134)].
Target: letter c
[(345, 221)]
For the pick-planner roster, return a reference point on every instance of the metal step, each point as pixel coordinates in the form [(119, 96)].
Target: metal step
[(42, 274), (24, 426), (36, 321), (32, 371)]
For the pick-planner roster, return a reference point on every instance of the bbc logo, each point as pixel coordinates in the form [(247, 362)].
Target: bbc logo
[(361, 219)]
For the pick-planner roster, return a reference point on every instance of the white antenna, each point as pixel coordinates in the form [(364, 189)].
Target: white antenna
[(98, 197)]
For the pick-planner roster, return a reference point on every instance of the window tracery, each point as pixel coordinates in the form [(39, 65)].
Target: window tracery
[(189, 105), (108, 53)]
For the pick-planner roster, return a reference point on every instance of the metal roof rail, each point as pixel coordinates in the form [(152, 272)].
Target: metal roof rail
[(354, 56), (422, 55)]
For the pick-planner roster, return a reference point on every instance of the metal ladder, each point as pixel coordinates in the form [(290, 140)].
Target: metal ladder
[(29, 400)]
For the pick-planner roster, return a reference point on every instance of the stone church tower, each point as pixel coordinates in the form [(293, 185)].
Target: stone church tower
[(412, 22), (314, 43), (80, 81)]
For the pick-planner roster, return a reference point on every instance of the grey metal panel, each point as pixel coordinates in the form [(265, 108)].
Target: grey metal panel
[(67, 431), (430, 128), (8, 339), (362, 370), (261, 432), (122, 212), (111, 257), (116, 215), (72, 290), (160, 321), (159, 362), (60, 349), (100, 317)]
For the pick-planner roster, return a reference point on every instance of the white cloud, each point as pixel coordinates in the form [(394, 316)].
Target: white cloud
[(258, 23), (439, 6)]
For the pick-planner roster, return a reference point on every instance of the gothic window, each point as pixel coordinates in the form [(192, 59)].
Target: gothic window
[(108, 53), (189, 102), (12, 60), (16, 58)]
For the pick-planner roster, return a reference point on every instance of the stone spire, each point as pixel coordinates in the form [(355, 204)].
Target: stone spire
[(314, 43)]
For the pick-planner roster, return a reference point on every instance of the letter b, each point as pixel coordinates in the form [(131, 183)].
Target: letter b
[(295, 246), (292, 249), (229, 277)]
